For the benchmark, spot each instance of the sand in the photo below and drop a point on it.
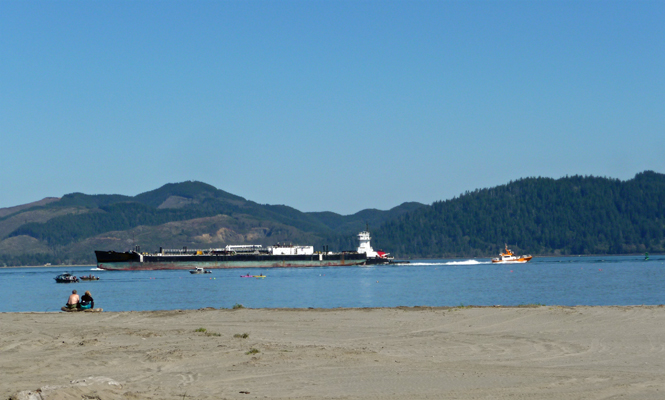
(401, 353)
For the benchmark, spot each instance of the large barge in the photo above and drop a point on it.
(240, 256)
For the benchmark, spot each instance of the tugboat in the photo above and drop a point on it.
(374, 257)
(66, 278)
(508, 257)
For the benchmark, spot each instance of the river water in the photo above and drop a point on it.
(609, 280)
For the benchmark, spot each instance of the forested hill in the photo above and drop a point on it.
(541, 216)
(67, 230)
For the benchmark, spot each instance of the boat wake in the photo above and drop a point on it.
(96, 269)
(468, 262)
(465, 262)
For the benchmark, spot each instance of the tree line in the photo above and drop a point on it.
(544, 216)
(541, 216)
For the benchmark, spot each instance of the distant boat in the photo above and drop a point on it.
(66, 278)
(646, 256)
(508, 257)
(89, 278)
(199, 270)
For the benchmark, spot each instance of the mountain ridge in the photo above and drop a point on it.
(572, 215)
(75, 225)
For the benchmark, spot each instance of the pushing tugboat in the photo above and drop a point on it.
(374, 257)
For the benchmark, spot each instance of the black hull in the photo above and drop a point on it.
(111, 260)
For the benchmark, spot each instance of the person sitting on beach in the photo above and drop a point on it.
(73, 301)
(87, 301)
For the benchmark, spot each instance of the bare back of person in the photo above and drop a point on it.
(74, 299)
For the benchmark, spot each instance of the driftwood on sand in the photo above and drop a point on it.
(67, 309)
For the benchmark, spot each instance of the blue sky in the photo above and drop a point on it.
(326, 105)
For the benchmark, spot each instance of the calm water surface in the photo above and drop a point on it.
(547, 280)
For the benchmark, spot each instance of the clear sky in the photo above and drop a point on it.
(326, 105)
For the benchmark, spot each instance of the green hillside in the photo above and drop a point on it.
(192, 214)
(541, 216)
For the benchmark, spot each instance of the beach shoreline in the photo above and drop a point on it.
(545, 352)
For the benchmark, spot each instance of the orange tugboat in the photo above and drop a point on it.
(509, 257)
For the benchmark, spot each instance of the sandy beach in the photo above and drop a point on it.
(544, 352)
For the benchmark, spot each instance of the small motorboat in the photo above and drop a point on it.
(66, 278)
(509, 258)
(199, 270)
(89, 278)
